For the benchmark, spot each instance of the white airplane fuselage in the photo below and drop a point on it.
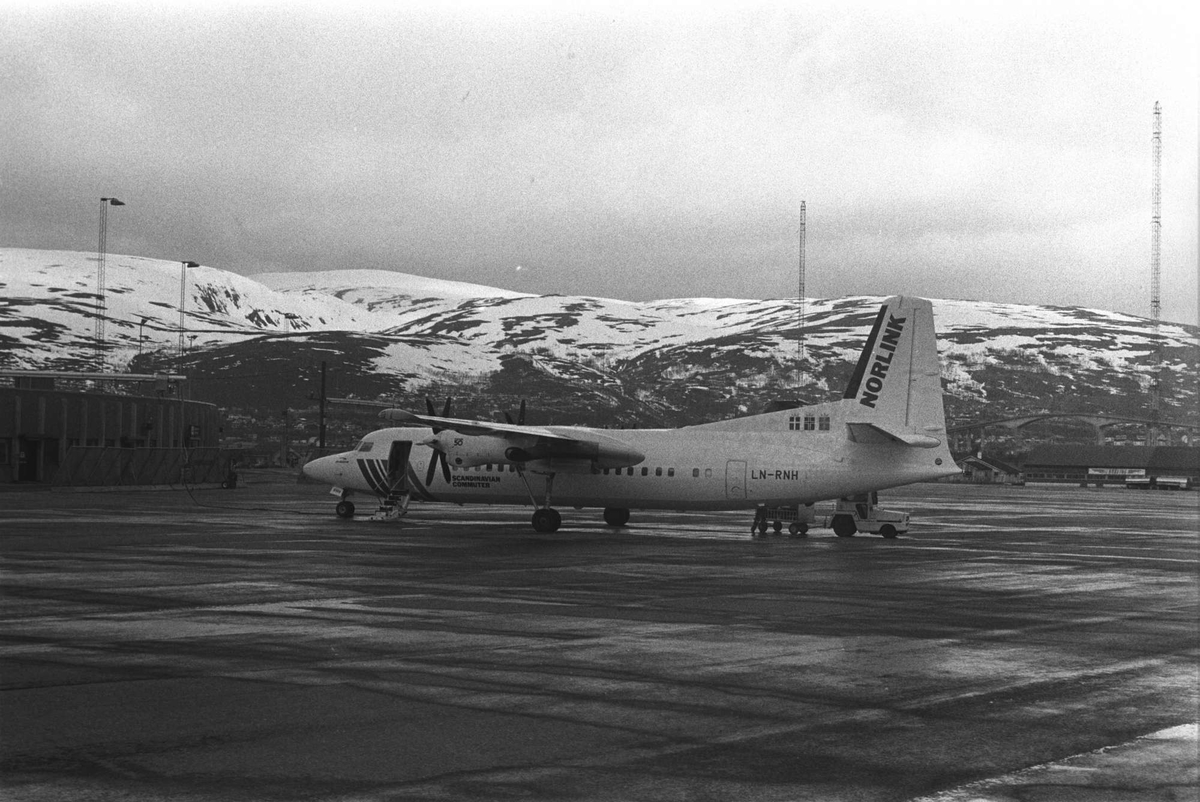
(696, 467)
(888, 430)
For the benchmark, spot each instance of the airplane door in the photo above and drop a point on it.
(735, 479)
(398, 461)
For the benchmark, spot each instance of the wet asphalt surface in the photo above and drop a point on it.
(245, 645)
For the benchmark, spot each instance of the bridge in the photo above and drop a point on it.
(962, 435)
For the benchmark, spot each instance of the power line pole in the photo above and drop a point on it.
(321, 412)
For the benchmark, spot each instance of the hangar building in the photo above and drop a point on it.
(40, 423)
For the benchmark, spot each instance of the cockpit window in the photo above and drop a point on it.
(365, 445)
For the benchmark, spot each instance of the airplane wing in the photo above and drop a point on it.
(533, 442)
(474, 428)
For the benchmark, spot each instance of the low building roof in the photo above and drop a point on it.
(991, 464)
(1151, 458)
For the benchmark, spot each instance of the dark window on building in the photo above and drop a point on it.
(810, 423)
(823, 423)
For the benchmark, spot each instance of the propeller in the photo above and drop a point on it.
(520, 415)
(445, 410)
(439, 456)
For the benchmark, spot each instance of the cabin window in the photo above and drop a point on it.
(645, 471)
(823, 423)
(695, 473)
(708, 473)
(631, 470)
(670, 471)
(809, 423)
(489, 467)
(658, 471)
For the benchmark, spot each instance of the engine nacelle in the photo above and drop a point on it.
(469, 451)
(463, 451)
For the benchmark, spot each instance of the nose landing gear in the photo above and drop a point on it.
(546, 519)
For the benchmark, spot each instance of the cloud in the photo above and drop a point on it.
(1000, 152)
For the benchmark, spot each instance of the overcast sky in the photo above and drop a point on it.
(647, 151)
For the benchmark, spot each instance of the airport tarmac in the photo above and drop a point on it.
(1033, 643)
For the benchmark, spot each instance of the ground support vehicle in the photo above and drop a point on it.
(798, 520)
(861, 513)
(1158, 483)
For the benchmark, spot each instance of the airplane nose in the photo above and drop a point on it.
(324, 469)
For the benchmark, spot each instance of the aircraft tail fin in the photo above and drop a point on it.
(895, 392)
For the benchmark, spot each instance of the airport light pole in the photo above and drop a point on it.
(182, 297)
(101, 258)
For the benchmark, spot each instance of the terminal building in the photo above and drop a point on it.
(42, 422)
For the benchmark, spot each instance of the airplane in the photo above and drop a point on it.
(887, 430)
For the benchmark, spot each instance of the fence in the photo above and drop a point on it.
(127, 467)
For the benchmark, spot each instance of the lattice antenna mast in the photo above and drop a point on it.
(1155, 276)
(802, 355)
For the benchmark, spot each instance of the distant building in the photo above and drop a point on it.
(38, 424)
(1101, 465)
(989, 471)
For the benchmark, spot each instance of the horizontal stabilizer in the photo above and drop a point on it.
(873, 433)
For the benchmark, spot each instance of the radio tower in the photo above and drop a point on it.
(802, 370)
(1155, 273)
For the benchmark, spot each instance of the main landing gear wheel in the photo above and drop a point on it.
(843, 526)
(797, 530)
(345, 509)
(546, 520)
(616, 516)
(888, 531)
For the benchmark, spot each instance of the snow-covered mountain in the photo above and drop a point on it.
(389, 333)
